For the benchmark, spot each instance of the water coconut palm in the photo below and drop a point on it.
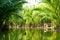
(7, 9)
(50, 10)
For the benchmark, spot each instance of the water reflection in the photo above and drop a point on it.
(30, 34)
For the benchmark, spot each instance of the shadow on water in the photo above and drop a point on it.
(3, 35)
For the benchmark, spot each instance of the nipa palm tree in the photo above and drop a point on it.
(7, 9)
(51, 8)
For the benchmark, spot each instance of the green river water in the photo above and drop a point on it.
(29, 34)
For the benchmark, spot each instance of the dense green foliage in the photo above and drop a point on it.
(9, 11)
(46, 12)
(54, 7)
(14, 15)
